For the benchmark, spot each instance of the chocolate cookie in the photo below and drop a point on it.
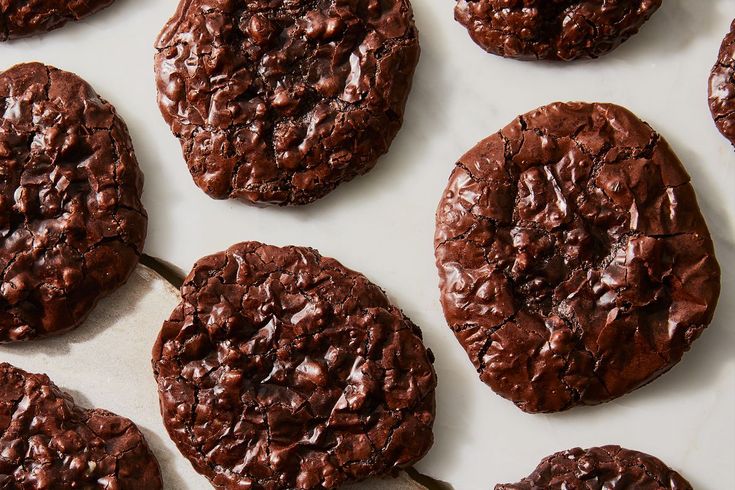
(722, 87)
(71, 222)
(574, 263)
(19, 18)
(600, 468)
(278, 101)
(552, 29)
(49, 442)
(284, 369)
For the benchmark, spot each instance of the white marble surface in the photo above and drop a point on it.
(382, 224)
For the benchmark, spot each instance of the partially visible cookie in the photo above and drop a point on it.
(20, 18)
(722, 87)
(575, 265)
(71, 221)
(49, 442)
(278, 101)
(552, 29)
(281, 368)
(601, 468)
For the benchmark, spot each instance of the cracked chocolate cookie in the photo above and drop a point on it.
(71, 222)
(20, 18)
(562, 30)
(599, 468)
(574, 263)
(722, 87)
(280, 101)
(284, 369)
(49, 442)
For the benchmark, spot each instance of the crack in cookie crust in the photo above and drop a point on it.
(71, 221)
(601, 467)
(575, 265)
(279, 102)
(552, 29)
(283, 369)
(49, 442)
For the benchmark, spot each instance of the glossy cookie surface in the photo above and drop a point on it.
(722, 87)
(50, 442)
(72, 222)
(601, 468)
(574, 263)
(21, 18)
(280, 101)
(552, 29)
(281, 368)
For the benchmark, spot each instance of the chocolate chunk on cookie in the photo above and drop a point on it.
(280, 101)
(50, 442)
(722, 87)
(20, 18)
(552, 29)
(281, 368)
(71, 222)
(599, 468)
(574, 263)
